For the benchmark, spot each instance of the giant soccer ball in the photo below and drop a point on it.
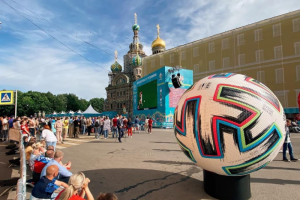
(229, 124)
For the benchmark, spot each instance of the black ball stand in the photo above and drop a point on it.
(227, 187)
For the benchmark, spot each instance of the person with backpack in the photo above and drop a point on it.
(97, 128)
(58, 126)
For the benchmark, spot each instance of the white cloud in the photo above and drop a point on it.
(206, 18)
(181, 22)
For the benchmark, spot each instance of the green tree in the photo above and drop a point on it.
(32, 102)
(83, 104)
(97, 104)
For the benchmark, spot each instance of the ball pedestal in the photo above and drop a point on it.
(227, 187)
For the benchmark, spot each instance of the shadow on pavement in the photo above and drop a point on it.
(275, 181)
(283, 168)
(167, 150)
(146, 184)
(169, 162)
(165, 142)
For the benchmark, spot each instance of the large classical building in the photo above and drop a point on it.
(119, 89)
(268, 50)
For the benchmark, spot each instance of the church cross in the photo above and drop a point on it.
(135, 18)
(157, 26)
(116, 55)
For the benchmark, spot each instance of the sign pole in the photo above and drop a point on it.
(16, 103)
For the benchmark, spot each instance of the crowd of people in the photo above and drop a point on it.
(50, 176)
(55, 130)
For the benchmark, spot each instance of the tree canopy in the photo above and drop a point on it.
(32, 102)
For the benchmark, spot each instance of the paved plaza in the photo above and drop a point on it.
(153, 167)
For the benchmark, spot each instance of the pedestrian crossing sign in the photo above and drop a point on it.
(6, 97)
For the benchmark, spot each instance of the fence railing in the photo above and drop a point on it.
(21, 185)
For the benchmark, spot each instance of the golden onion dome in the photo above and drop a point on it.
(158, 42)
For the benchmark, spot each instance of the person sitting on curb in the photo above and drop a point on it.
(64, 174)
(45, 187)
(39, 163)
(68, 165)
(288, 144)
(78, 188)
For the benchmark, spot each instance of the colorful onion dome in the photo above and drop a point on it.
(135, 27)
(137, 61)
(158, 42)
(116, 67)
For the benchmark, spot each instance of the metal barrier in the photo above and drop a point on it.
(21, 185)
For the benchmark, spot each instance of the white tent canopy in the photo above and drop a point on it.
(90, 110)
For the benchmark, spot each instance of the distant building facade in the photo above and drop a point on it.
(268, 51)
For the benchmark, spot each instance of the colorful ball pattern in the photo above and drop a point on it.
(229, 124)
(116, 67)
(137, 61)
(135, 27)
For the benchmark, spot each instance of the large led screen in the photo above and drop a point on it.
(147, 96)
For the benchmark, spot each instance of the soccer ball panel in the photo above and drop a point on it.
(230, 124)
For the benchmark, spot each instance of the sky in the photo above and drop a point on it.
(67, 46)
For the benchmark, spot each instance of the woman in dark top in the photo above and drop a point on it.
(129, 127)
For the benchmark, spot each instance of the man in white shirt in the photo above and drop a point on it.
(146, 124)
(5, 129)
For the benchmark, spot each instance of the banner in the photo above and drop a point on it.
(7, 98)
